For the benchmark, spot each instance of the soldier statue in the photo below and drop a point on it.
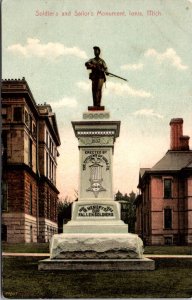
(99, 70)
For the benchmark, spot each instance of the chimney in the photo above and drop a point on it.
(178, 140)
(176, 133)
(184, 140)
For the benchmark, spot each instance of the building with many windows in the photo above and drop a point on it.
(29, 159)
(164, 204)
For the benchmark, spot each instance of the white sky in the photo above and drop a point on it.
(152, 52)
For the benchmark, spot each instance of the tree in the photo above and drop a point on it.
(64, 212)
(131, 212)
(118, 196)
(128, 209)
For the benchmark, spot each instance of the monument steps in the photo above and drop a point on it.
(142, 264)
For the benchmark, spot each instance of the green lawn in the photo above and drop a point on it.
(44, 248)
(176, 250)
(26, 247)
(171, 279)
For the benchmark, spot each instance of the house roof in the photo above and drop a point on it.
(18, 87)
(174, 161)
(143, 170)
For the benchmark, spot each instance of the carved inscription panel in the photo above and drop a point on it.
(96, 210)
(96, 172)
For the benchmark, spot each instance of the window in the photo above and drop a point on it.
(4, 232)
(49, 169)
(54, 152)
(47, 164)
(31, 200)
(26, 118)
(4, 146)
(54, 174)
(54, 208)
(48, 204)
(168, 240)
(30, 122)
(4, 112)
(30, 153)
(34, 130)
(52, 166)
(31, 234)
(4, 195)
(50, 143)
(167, 218)
(167, 188)
(146, 223)
(17, 114)
(47, 138)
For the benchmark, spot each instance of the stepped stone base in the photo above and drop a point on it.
(93, 251)
(97, 226)
(97, 264)
(93, 245)
(95, 216)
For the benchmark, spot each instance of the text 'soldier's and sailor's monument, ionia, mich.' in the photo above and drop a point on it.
(96, 237)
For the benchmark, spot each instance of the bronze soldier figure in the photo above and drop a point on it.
(99, 69)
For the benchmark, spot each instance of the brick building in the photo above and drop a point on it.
(29, 159)
(164, 204)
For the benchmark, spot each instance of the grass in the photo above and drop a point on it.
(44, 248)
(175, 250)
(26, 247)
(171, 279)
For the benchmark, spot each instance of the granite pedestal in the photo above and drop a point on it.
(96, 238)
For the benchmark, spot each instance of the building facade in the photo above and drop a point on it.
(29, 159)
(164, 203)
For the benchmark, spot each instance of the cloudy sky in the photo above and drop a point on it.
(48, 42)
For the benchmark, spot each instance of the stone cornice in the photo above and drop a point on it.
(96, 128)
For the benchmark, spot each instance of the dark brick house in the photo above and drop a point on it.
(29, 142)
(164, 205)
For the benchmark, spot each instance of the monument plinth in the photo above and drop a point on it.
(96, 211)
(96, 108)
(96, 237)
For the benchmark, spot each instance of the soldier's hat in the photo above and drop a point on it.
(96, 47)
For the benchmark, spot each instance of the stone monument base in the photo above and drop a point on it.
(95, 216)
(97, 226)
(93, 251)
(94, 245)
(142, 264)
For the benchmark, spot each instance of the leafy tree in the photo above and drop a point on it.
(64, 212)
(128, 209)
(118, 196)
(131, 212)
